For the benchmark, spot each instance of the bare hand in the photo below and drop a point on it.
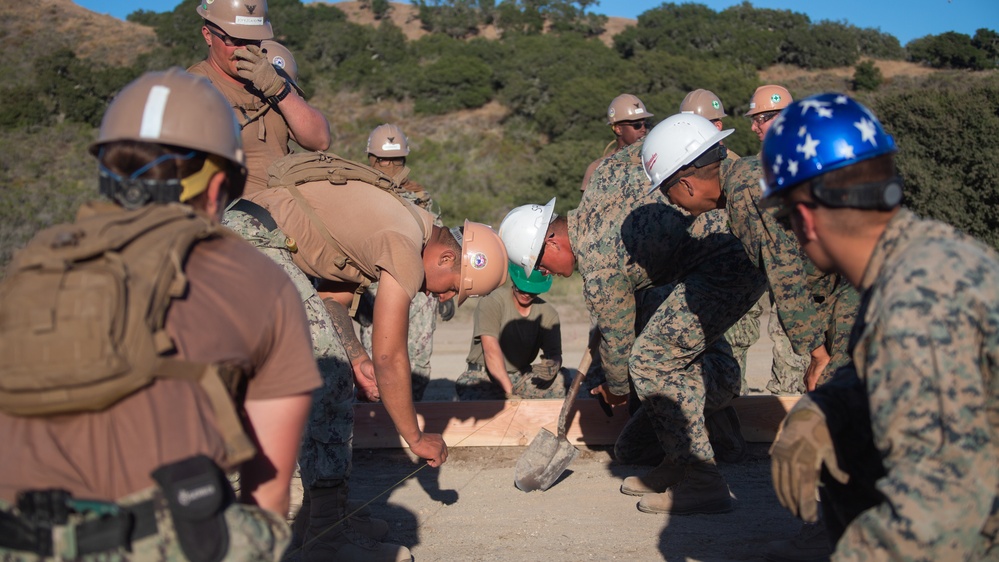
(364, 379)
(820, 359)
(609, 397)
(430, 446)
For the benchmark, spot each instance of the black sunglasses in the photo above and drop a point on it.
(635, 125)
(229, 40)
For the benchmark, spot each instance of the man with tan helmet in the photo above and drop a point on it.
(629, 120)
(334, 240)
(271, 110)
(387, 150)
(149, 465)
(706, 104)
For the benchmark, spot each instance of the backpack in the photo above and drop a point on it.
(295, 169)
(82, 313)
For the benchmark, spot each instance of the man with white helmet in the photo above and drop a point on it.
(662, 288)
(904, 439)
(746, 331)
(270, 108)
(333, 240)
(629, 120)
(387, 150)
(145, 471)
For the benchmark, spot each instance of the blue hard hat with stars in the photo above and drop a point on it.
(816, 135)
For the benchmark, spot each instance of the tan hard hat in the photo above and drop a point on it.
(626, 107)
(242, 19)
(176, 108)
(388, 141)
(769, 98)
(704, 103)
(283, 61)
(483, 261)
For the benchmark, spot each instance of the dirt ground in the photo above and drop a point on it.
(469, 509)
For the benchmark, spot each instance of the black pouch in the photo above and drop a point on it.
(198, 494)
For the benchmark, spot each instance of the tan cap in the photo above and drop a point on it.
(388, 141)
(242, 19)
(626, 107)
(769, 98)
(483, 261)
(175, 108)
(704, 103)
(283, 61)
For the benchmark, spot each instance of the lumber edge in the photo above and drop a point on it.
(512, 423)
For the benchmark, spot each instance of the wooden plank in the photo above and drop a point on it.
(512, 423)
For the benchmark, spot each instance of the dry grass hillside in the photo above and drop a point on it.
(405, 17)
(31, 29)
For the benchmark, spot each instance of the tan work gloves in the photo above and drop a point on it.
(802, 446)
(544, 372)
(252, 65)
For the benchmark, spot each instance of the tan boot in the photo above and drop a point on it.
(658, 480)
(811, 544)
(701, 490)
(330, 535)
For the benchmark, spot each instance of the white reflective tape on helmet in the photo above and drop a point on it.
(152, 113)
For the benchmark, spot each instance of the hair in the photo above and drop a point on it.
(126, 156)
(444, 237)
(849, 220)
(559, 225)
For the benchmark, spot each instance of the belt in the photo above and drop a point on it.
(106, 533)
(255, 211)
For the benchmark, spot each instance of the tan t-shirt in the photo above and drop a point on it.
(264, 140)
(224, 317)
(520, 337)
(373, 228)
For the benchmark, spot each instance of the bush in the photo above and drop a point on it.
(867, 76)
(453, 83)
(949, 50)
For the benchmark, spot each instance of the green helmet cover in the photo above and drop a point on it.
(537, 283)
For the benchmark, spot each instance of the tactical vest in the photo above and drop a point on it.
(82, 314)
(297, 168)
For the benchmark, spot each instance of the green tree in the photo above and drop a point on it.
(453, 83)
(948, 50)
(867, 76)
(946, 154)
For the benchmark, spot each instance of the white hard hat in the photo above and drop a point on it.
(675, 143)
(523, 232)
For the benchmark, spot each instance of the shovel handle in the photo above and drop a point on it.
(570, 397)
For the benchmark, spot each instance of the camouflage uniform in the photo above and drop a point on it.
(690, 278)
(423, 309)
(926, 350)
(325, 455)
(255, 534)
(774, 250)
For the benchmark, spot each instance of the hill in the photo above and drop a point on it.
(32, 29)
(406, 17)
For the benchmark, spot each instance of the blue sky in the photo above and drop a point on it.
(905, 19)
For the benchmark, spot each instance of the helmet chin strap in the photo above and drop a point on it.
(882, 195)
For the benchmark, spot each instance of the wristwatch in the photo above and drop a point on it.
(276, 98)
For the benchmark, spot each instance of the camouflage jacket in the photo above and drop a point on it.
(626, 240)
(774, 249)
(926, 348)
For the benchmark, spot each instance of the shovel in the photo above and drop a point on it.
(547, 456)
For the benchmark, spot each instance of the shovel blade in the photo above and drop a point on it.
(543, 462)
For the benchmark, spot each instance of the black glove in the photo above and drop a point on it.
(446, 309)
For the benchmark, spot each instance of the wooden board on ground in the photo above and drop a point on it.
(514, 423)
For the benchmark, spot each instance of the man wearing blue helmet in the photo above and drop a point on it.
(511, 327)
(907, 432)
